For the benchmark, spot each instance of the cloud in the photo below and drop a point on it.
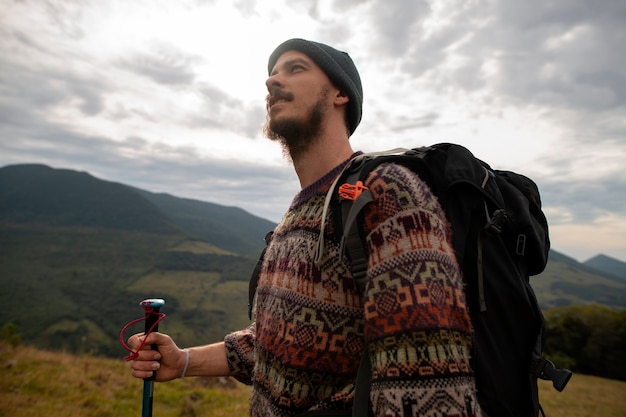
(35, 80)
(416, 121)
(398, 24)
(66, 17)
(584, 201)
(164, 64)
(169, 96)
(533, 53)
(42, 90)
(220, 110)
(554, 53)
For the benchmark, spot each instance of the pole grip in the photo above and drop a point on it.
(151, 307)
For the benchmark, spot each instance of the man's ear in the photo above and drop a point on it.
(341, 98)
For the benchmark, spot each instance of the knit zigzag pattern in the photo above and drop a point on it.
(312, 326)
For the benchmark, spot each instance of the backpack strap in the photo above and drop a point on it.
(351, 239)
(361, 400)
(355, 164)
(544, 369)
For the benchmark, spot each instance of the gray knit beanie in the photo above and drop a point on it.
(337, 65)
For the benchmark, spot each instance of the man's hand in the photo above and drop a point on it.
(168, 360)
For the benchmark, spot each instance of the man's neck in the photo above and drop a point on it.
(325, 155)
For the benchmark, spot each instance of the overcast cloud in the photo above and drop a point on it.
(169, 96)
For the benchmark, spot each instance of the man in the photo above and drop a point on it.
(312, 325)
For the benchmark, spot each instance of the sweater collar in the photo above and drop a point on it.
(322, 184)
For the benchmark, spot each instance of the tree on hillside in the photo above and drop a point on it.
(11, 334)
(588, 339)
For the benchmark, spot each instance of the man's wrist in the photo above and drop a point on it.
(184, 372)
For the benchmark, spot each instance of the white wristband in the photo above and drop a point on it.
(182, 374)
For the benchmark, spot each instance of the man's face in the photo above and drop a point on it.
(299, 96)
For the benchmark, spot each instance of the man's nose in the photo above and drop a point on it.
(273, 81)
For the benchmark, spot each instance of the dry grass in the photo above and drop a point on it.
(36, 383)
(584, 396)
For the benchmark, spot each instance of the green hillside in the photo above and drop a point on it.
(230, 228)
(37, 194)
(566, 281)
(78, 254)
(75, 288)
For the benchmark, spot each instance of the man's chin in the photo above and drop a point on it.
(284, 128)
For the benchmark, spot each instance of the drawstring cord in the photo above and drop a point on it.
(149, 310)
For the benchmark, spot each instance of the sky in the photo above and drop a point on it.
(169, 96)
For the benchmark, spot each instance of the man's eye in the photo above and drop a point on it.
(297, 68)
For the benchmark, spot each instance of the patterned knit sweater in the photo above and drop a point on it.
(312, 325)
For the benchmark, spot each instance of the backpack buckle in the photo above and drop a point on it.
(494, 225)
(545, 369)
(351, 191)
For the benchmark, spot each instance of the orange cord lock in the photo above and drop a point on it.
(351, 191)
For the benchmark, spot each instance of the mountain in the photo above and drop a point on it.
(566, 281)
(230, 228)
(78, 254)
(608, 265)
(37, 194)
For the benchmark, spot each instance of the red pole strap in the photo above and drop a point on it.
(149, 310)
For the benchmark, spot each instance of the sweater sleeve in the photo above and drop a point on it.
(417, 326)
(240, 353)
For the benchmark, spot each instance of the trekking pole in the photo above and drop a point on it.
(151, 307)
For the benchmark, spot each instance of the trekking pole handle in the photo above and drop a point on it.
(151, 307)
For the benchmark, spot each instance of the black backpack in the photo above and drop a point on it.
(500, 237)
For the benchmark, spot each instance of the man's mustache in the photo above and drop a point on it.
(277, 94)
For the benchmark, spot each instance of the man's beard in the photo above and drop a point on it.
(297, 136)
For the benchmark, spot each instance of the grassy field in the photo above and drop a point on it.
(35, 383)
